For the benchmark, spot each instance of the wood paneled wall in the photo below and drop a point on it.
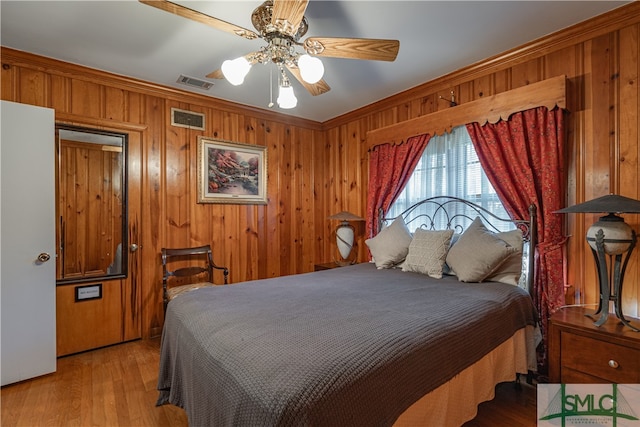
(315, 170)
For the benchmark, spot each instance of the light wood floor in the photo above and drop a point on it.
(116, 386)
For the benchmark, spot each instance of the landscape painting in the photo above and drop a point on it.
(231, 172)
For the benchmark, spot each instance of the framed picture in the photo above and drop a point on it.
(231, 172)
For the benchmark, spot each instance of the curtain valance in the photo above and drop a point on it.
(548, 93)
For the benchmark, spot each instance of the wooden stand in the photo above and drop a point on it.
(581, 352)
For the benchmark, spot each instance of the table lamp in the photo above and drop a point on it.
(612, 240)
(345, 236)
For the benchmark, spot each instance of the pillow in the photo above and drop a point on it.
(391, 245)
(511, 270)
(477, 253)
(427, 252)
(445, 268)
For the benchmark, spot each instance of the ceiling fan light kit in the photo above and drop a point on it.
(281, 23)
(286, 98)
(311, 68)
(236, 70)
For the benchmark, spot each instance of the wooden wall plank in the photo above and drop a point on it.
(33, 84)
(134, 291)
(629, 151)
(86, 98)
(153, 214)
(8, 82)
(59, 98)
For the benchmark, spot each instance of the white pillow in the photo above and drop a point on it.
(427, 252)
(445, 268)
(391, 245)
(477, 253)
(511, 270)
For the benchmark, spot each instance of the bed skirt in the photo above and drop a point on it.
(456, 401)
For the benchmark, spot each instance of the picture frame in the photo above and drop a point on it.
(231, 172)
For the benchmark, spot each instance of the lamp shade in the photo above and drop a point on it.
(286, 97)
(611, 203)
(617, 235)
(346, 216)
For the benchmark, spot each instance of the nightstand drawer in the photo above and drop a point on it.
(611, 362)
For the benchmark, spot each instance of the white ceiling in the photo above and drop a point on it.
(436, 37)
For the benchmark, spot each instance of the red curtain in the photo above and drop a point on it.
(524, 160)
(390, 167)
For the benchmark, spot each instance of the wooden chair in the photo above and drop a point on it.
(187, 278)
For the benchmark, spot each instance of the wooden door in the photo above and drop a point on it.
(115, 316)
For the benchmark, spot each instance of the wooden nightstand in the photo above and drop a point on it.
(580, 352)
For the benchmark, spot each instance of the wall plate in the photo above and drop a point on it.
(88, 292)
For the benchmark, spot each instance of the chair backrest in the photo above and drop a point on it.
(190, 263)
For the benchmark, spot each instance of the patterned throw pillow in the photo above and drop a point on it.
(427, 252)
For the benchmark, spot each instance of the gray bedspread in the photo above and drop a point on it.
(353, 346)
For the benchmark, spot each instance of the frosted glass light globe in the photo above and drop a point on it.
(311, 69)
(236, 70)
(286, 98)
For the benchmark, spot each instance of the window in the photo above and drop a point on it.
(450, 167)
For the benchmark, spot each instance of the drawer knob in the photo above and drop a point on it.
(613, 364)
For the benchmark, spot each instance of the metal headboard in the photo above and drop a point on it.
(447, 212)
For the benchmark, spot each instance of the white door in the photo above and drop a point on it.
(27, 230)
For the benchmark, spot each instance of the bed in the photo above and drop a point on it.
(361, 345)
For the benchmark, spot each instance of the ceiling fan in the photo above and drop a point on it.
(281, 23)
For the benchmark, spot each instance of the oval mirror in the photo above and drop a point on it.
(91, 204)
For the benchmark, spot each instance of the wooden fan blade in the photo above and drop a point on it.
(314, 89)
(217, 74)
(194, 15)
(252, 57)
(287, 14)
(375, 49)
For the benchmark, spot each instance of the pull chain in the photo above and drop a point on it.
(270, 87)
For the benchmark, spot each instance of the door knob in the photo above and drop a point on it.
(44, 257)
(133, 247)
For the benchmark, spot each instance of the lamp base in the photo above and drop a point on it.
(604, 316)
(611, 279)
(345, 240)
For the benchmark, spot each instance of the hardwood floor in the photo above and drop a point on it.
(116, 386)
(511, 407)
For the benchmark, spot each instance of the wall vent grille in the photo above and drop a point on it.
(191, 81)
(187, 119)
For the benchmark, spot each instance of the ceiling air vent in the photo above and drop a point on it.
(190, 81)
(187, 119)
